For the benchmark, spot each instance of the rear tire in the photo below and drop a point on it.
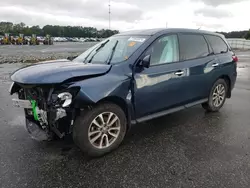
(100, 130)
(217, 96)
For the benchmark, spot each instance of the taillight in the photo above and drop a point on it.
(235, 58)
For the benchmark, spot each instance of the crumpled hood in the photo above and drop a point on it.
(57, 72)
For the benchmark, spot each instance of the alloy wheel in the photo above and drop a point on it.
(104, 130)
(219, 95)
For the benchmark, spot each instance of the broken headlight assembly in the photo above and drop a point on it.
(66, 97)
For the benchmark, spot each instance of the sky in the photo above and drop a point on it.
(213, 15)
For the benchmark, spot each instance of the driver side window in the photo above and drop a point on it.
(164, 50)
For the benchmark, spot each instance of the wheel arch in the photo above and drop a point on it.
(121, 103)
(228, 81)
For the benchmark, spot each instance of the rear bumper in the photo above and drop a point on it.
(233, 80)
(232, 84)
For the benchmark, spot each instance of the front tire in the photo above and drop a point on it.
(100, 130)
(217, 96)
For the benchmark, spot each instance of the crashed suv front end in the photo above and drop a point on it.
(50, 96)
(47, 109)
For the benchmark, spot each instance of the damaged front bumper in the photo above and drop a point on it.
(36, 132)
(37, 122)
(47, 113)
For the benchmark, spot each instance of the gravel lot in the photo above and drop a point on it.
(186, 149)
(26, 53)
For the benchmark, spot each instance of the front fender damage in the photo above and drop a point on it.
(14, 88)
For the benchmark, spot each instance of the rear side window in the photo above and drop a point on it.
(218, 45)
(192, 46)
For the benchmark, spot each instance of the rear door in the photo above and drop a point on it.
(197, 57)
(226, 66)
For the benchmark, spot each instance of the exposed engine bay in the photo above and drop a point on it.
(47, 110)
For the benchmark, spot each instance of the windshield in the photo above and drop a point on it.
(112, 50)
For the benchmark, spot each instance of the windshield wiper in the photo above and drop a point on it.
(112, 53)
(96, 51)
(211, 53)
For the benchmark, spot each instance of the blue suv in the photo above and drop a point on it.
(126, 79)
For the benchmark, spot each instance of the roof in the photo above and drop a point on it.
(164, 30)
(142, 32)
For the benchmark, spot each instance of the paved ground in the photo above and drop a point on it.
(186, 149)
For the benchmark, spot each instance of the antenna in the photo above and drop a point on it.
(109, 14)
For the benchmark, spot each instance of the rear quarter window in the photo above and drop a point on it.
(192, 46)
(217, 43)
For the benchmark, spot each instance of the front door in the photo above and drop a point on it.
(159, 87)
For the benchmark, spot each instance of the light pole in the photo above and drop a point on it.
(109, 14)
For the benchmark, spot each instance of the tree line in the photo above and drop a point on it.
(54, 30)
(237, 34)
(79, 31)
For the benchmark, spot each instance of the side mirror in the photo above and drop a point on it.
(71, 57)
(145, 62)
